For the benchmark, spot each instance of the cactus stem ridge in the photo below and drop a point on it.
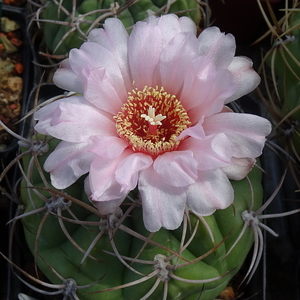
(202, 256)
(121, 258)
(204, 222)
(93, 243)
(67, 288)
(145, 262)
(182, 245)
(141, 237)
(151, 291)
(69, 237)
(132, 283)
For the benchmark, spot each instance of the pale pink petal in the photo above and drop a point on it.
(67, 163)
(187, 25)
(100, 91)
(65, 78)
(109, 147)
(245, 77)
(210, 153)
(171, 25)
(239, 168)
(143, 58)
(104, 207)
(177, 168)
(174, 61)
(73, 119)
(44, 116)
(195, 131)
(94, 56)
(207, 97)
(226, 109)
(212, 191)
(109, 207)
(152, 20)
(128, 170)
(168, 27)
(114, 37)
(246, 132)
(205, 88)
(103, 184)
(217, 46)
(199, 76)
(163, 205)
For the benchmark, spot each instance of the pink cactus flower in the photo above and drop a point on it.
(151, 113)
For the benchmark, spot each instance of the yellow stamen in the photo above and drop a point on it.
(146, 132)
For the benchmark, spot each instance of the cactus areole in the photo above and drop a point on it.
(146, 136)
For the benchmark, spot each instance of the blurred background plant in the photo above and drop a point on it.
(280, 70)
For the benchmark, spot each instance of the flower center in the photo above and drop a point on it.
(150, 121)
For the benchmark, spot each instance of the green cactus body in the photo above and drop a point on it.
(60, 38)
(196, 252)
(285, 66)
(65, 37)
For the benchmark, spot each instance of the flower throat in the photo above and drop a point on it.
(151, 120)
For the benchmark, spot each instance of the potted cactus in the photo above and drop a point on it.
(125, 180)
(141, 182)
